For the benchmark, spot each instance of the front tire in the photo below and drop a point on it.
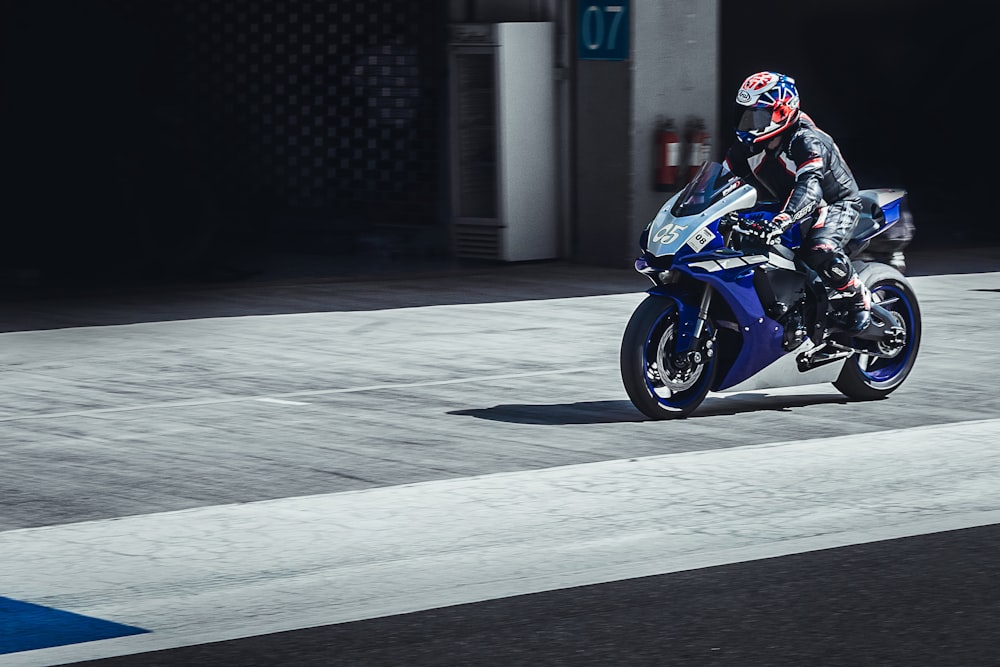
(658, 384)
(869, 377)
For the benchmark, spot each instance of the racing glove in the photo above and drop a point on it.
(768, 231)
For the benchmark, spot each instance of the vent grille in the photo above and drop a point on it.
(477, 241)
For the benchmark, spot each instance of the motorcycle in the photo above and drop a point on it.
(729, 313)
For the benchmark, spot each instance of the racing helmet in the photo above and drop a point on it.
(766, 104)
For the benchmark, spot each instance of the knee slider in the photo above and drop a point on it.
(836, 270)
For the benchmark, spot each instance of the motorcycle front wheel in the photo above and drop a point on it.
(658, 382)
(868, 376)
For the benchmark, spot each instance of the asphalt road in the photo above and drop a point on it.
(929, 600)
(125, 405)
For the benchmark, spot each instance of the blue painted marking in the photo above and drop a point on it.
(25, 627)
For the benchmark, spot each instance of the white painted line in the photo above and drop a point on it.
(279, 401)
(297, 394)
(231, 571)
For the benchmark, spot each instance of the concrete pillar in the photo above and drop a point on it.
(671, 71)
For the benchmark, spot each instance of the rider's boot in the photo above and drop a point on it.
(852, 304)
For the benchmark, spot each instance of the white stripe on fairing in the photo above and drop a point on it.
(231, 571)
(732, 262)
(713, 265)
(774, 259)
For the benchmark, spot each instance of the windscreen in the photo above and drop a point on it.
(708, 185)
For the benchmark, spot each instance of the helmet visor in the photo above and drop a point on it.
(752, 120)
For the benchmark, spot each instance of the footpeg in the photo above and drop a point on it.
(822, 355)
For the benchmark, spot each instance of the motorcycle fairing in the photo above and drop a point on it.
(730, 274)
(880, 209)
(695, 230)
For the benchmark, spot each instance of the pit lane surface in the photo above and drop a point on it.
(928, 600)
(192, 417)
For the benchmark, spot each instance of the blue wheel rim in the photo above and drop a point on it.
(680, 399)
(886, 370)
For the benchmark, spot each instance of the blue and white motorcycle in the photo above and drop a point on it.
(727, 313)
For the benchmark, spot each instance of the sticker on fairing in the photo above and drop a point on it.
(700, 239)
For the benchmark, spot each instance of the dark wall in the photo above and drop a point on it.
(899, 84)
(602, 159)
(171, 136)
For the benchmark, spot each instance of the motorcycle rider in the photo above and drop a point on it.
(782, 151)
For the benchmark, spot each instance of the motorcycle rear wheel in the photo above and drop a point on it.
(868, 377)
(656, 383)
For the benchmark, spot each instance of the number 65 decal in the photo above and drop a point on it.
(668, 233)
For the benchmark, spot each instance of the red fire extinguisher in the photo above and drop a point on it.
(699, 146)
(668, 146)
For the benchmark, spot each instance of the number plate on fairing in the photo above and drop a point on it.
(700, 239)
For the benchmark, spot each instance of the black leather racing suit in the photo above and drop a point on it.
(807, 171)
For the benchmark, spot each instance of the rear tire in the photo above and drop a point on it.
(867, 377)
(657, 384)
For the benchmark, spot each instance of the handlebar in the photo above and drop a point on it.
(728, 221)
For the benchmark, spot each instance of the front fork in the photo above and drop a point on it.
(686, 342)
(690, 330)
(706, 301)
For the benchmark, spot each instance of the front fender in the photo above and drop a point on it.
(687, 314)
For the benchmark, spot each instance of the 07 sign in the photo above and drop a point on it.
(603, 30)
